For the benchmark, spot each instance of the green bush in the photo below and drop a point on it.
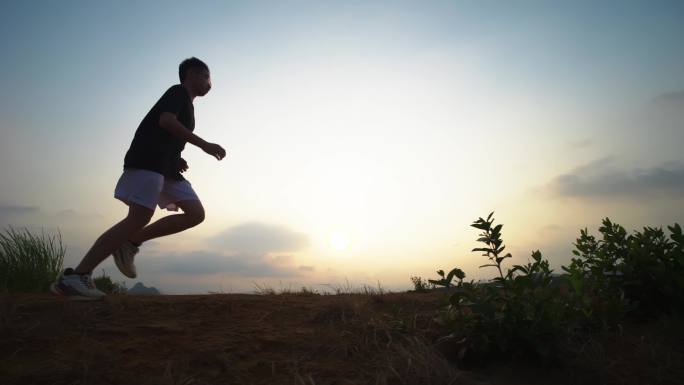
(645, 268)
(446, 281)
(29, 263)
(518, 312)
(529, 310)
(105, 284)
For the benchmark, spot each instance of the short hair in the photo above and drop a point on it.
(192, 63)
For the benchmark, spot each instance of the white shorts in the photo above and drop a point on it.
(149, 188)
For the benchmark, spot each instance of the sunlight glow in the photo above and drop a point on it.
(338, 241)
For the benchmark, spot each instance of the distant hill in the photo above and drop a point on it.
(139, 288)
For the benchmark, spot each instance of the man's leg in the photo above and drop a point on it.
(193, 215)
(138, 217)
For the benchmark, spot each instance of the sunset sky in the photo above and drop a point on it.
(363, 137)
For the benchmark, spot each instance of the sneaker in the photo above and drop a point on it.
(76, 287)
(123, 257)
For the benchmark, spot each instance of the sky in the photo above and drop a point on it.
(363, 137)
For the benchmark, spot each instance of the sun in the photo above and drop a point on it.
(338, 241)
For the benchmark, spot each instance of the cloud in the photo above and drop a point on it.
(22, 215)
(307, 268)
(598, 179)
(17, 215)
(580, 143)
(255, 238)
(7, 210)
(245, 250)
(670, 98)
(76, 216)
(284, 259)
(208, 262)
(549, 229)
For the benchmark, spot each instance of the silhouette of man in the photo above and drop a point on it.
(151, 177)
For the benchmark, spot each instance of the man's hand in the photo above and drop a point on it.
(215, 150)
(183, 165)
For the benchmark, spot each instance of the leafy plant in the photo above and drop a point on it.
(492, 238)
(518, 312)
(446, 281)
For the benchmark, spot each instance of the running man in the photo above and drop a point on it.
(151, 177)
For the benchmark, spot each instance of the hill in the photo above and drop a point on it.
(139, 288)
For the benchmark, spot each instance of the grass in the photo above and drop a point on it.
(29, 263)
(105, 284)
(335, 290)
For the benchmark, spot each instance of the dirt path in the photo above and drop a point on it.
(217, 339)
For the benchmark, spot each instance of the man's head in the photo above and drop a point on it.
(195, 74)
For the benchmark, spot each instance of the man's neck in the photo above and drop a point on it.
(187, 88)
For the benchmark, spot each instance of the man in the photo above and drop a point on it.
(151, 177)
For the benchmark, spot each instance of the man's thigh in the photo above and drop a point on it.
(139, 213)
(174, 192)
(138, 186)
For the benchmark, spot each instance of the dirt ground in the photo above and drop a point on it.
(299, 339)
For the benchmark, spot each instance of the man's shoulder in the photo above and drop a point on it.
(174, 88)
(179, 92)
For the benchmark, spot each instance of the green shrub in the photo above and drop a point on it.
(29, 263)
(105, 284)
(529, 310)
(518, 312)
(446, 281)
(645, 268)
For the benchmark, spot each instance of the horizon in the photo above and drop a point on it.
(362, 138)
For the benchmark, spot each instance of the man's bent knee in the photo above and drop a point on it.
(199, 217)
(194, 210)
(196, 217)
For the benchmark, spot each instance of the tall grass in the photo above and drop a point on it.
(28, 262)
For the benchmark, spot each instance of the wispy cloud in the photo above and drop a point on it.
(16, 215)
(549, 230)
(208, 262)
(251, 249)
(671, 98)
(52, 218)
(259, 238)
(600, 179)
(580, 143)
(74, 215)
(7, 210)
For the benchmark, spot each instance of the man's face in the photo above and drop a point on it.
(201, 81)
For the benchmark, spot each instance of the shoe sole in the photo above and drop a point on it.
(56, 290)
(119, 265)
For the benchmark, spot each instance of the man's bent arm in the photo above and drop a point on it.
(169, 122)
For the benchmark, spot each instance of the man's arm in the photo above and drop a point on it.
(169, 122)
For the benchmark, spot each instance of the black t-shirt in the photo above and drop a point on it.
(153, 147)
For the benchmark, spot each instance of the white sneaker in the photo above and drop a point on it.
(123, 257)
(76, 287)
